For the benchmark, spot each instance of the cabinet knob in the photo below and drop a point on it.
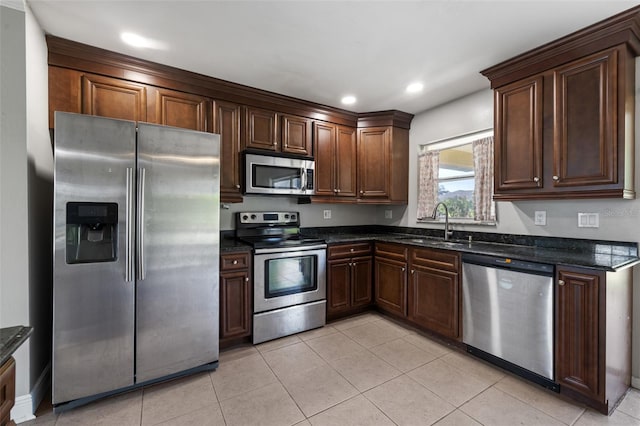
(337, 190)
(361, 192)
(238, 186)
(352, 250)
(560, 282)
(536, 179)
(404, 269)
(556, 178)
(275, 144)
(235, 262)
(413, 271)
(246, 279)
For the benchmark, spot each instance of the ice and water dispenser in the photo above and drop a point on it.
(92, 230)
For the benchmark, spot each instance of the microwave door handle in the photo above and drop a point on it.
(304, 178)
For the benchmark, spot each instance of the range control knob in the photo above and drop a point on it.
(293, 217)
(286, 216)
(245, 217)
(253, 216)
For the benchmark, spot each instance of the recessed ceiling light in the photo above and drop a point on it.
(415, 87)
(136, 40)
(349, 100)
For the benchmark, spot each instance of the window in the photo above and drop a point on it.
(459, 173)
(456, 180)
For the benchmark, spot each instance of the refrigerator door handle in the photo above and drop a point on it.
(140, 224)
(129, 227)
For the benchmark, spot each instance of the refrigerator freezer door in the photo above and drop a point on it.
(178, 248)
(93, 314)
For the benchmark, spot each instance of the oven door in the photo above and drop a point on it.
(289, 277)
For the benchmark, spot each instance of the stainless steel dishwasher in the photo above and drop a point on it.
(507, 315)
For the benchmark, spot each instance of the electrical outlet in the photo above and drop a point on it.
(588, 220)
(540, 217)
(388, 214)
(327, 214)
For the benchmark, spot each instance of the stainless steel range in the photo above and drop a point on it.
(289, 274)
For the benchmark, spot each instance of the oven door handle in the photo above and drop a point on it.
(290, 249)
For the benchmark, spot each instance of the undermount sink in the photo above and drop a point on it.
(429, 240)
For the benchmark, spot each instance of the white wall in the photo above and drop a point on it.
(310, 214)
(14, 275)
(40, 200)
(619, 219)
(26, 189)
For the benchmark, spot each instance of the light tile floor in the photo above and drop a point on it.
(365, 370)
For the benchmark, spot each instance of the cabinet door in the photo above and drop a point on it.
(577, 332)
(585, 140)
(433, 300)
(361, 284)
(235, 304)
(261, 129)
(345, 162)
(391, 285)
(113, 98)
(183, 110)
(373, 162)
(324, 135)
(338, 285)
(227, 125)
(296, 135)
(518, 131)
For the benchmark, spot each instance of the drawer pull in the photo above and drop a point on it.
(235, 262)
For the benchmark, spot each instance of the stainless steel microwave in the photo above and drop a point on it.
(269, 174)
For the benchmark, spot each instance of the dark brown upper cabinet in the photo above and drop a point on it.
(336, 166)
(113, 98)
(267, 130)
(178, 109)
(564, 115)
(227, 125)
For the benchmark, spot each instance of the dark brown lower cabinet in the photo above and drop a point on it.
(349, 279)
(433, 300)
(593, 335)
(391, 278)
(434, 290)
(236, 291)
(7, 391)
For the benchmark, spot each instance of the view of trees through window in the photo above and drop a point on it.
(456, 181)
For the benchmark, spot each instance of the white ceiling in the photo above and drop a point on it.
(322, 50)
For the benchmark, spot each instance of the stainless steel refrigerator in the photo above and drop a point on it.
(136, 245)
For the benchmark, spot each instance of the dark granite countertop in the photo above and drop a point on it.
(230, 245)
(10, 340)
(601, 255)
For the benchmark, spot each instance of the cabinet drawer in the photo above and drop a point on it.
(349, 250)
(233, 261)
(392, 251)
(437, 259)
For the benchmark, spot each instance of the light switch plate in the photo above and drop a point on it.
(388, 214)
(540, 217)
(588, 220)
